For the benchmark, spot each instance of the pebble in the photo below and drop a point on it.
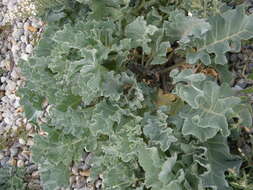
(1, 155)
(29, 48)
(75, 170)
(35, 174)
(12, 162)
(22, 141)
(11, 86)
(17, 33)
(31, 168)
(30, 142)
(13, 151)
(20, 163)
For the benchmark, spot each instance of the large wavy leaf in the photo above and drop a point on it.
(227, 31)
(217, 159)
(209, 104)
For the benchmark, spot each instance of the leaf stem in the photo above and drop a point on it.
(174, 66)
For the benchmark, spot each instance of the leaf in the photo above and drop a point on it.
(54, 154)
(155, 128)
(125, 142)
(184, 28)
(111, 8)
(208, 105)
(165, 98)
(227, 31)
(32, 103)
(217, 160)
(150, 161)
(138, 31)
(160, 173)
(74, 122)
(103, 118)
(160, 45)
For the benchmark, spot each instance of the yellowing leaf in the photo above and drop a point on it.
(165, 98)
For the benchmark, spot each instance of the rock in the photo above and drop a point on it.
(33, 186)
(35, 175)
(237, 88)
(75, 170)
(24, 56)
(28, 126)
(98, 184)
(1, 155)
(72, 179)
(243, 84)
(30, 142)
(80, 182)
(31, 168)
(85, 173)
(12, 162)
(13, 151)
(23, 39)
(10, 85)
(14, 74)
(20, 163)
(17, 33)
(22, 141)
(29, 48)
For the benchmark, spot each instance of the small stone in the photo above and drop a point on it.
(74, 170)
(29, 48)
(1, 155)
(31, 168)
(8, 121)
(23, 39)
(24, 56)
(26, 25)
(242, 84)
(72, 179)
(33, 186)
(35, 174)
(3, 79)
(4, 161)
(85, 173)
(20, 163)
(12, 162)
(28, 127)
(30, 142)
(237, 88)
(20, 25)
(10, 85)
(22, 141)
(80, 181)
(13, 151)
(14, 74)
(19, 110)
(17, 33)
(98, 184)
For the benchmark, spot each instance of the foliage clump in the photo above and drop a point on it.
(140, 84)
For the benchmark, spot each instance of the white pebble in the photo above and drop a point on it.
(10, 86)
(24, 56)
(3, 79)
(22, 141)
(20, 163)
(30, 142)
(29, 48)
(28, 126)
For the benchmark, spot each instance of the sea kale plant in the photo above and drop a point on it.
(144, 86)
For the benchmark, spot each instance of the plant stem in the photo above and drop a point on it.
(174, 66)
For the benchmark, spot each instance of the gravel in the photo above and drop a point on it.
(17, 43)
